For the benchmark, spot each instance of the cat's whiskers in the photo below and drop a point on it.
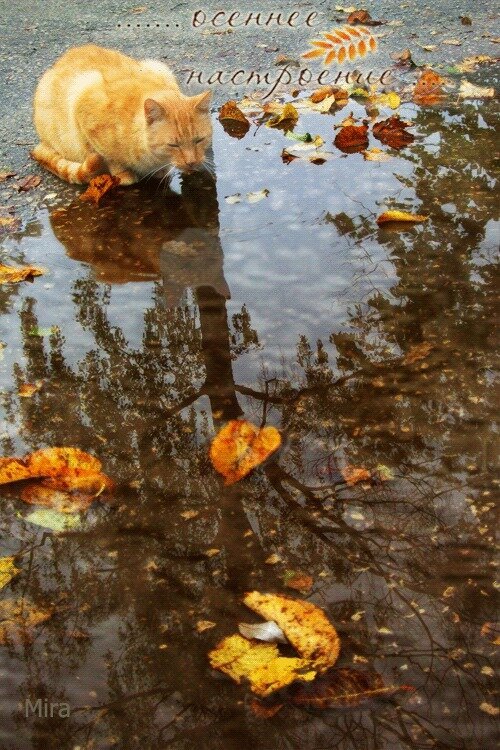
(154, 171)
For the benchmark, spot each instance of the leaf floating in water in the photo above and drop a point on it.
(323, 105)
(287, 119)
(417, 352)
(352, 138)
(258, 196)
(52, 519)
(469, 91)
(298, 581)
(353, 475)
(232, 199)
(50, 462)
(50, 331)
(233, 120)
(27, 390)
(342, 687)
(13, 470)
(263, 631)
(376, 154)
(98, 187)
(203, 625)
(403, 216)
(7, 570)
(393, 132)
(429, 88)
(18, 619)
(259, 663)
(304, 624)
(12, 275)
(241, 446)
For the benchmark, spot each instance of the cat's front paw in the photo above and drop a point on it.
(126, 177)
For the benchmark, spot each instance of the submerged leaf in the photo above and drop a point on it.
(52, 519)
(7, 570)
(18, 619)
(342, 687)
(352, 138)
(241, 446)
(287, 118)
(393, 132)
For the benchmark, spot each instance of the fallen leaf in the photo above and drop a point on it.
(287, 60)
(7, 571)
(362, 17)
(26, 390)
(9, 223)
(249, 106)
(6, 175)
(465, 20)
(233, 120)
(390, 99)
(352, 475)
(403, 58)
(262, 631)
(376, 154)
(298, 581)
(51, 462)
(469, 91)
(98, 187)
(324, 106)
(417, 352)
(262, 710)
(489, 709)
(12, 275)
(304, 624)
(139, 9)
(18, 620)
(257, 196)
(469, 64)
(49, 331)
(28, 183)
(68, 492)
(352, 139)
(453, 42)
(258, 663)
(240, 446)
(232, 199)
(273, 560)
(286, 119)
(342, 687)
(189, 514)
(357, 616)
(326, 92)
(52, 519)
(13, 470)
(203, 625)
(393, 132)
(428, 89)
(388, 216)
(384, 473)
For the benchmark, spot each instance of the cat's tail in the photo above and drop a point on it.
(71, 171)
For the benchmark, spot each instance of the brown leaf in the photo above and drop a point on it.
(241, 446)
(98, 187)
(428, 89)
(233, 120)
(403, 58)
(9, 223)
(286, 119)
(298, 581)
(393, 133)
(18, 619)
(28, 183)
(11, 275)
(67, 493)
(26, 390)
(362, 17)
(417, 352)
(352, 138)
(342, 687)
(352, 475)
(5, 175)
(264, 710)
(322, 93)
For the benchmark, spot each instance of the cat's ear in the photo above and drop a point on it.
(153, 111)
(202, 101)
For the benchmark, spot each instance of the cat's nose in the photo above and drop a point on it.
(190, 166)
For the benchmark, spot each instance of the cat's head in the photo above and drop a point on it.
(179, 129)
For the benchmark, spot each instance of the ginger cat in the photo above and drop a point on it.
(97, 111)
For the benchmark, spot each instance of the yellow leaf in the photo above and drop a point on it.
(7, 570)
(289, 117)
(391, 100)
(259, 663)
(240, 446)
(13, 470)
(400, 216)
(305, 625)
(50, 462)
(11, 275)
(18, 618)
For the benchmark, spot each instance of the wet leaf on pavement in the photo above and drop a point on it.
(98, 187)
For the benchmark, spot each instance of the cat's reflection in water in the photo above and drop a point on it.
(140, 234)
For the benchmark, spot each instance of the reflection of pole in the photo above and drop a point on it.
(219, 383)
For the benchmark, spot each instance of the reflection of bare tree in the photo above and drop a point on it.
(402, 567)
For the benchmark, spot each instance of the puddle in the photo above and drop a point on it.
(163, 315)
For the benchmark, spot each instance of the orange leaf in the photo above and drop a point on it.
(67, 493)
(362, 49)
(353, 475)
(241, 446)
(314, 53)
(400, 216)
(352, 52)
(98, 187)
(330, 57)
(428, 88)
(51, 462)
(393, 133)
(323, 45)
(13, 470)
(341, 55)
(333, 38)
